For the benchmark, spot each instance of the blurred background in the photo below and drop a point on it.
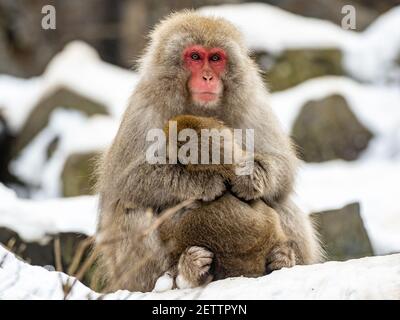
(63, 90)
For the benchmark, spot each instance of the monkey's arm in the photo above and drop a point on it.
(159, 186)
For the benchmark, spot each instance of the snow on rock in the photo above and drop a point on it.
(366, 278)
(368, 55)
(375, 106)
(77, 67)
(33, 220)
(77, 134)
(265, 27)
(272, 29)
(373, 184)
(17, 98)
(378, 48)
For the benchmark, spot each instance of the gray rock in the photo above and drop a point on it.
(25, 48)
(294, 66)
(43, 253)
(6, 142)
(327, 129)
(40, 114)
(343, 233)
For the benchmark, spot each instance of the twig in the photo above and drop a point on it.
(57, 254)
(79, 254)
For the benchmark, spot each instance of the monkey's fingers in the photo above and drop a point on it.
(193, 267)
(282, 256)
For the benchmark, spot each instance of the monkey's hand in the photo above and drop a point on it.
(193, 268)
(248, 186)
(281, 256)
(265, 176)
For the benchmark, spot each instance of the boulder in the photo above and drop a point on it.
(64, 247)
(52, 147)
(6, 142)
(25, 48)
(40, 114)
(327, 129)
(343, 233)
(78, 175)
(294, 66)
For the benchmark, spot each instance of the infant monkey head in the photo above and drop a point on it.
(212, 142)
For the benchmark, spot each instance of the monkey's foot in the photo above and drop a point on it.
(282, 256)
(193, 268)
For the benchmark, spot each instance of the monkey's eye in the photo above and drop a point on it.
(215, 57)
(195, 56)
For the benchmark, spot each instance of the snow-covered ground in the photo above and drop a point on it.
(367, 278)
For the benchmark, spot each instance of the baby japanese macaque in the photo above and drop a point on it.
(224, 237)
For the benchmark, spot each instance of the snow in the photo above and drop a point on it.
(17, 98)
(377, 107)
(367, 278)
(272, 29)
(33, 220)
(368, 55)
(77, 134)
(373, 183)
(378, 47)
(77, 67)
(373, 179)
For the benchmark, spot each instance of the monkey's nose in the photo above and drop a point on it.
(207, 77)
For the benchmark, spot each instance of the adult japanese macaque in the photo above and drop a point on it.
(198, 66)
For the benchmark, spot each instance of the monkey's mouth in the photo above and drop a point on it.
(205, 96)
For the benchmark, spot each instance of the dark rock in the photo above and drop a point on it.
(343, 233)
(7, 139)
(115, 28)
(294, 66)
(327, 129)
(39, 117)
(71, 246)
(52, 147)
(25, 48)
(78, 175)
(139, 16)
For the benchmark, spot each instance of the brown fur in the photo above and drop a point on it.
(245, 238)
(128, 185)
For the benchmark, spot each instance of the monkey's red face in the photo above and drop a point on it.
(206, 67)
